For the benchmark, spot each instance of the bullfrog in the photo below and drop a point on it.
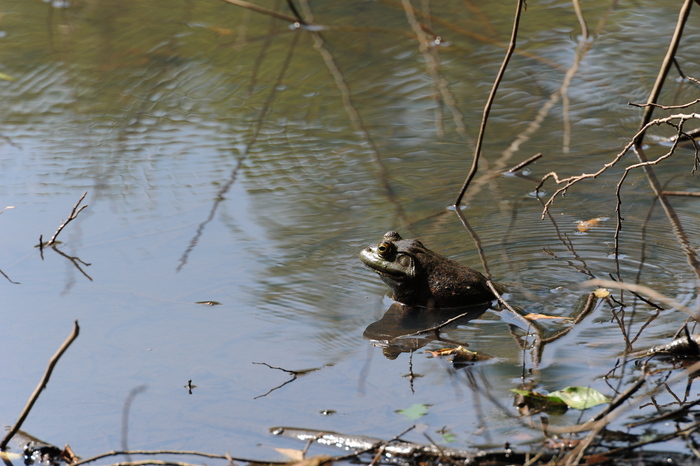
(418, 276)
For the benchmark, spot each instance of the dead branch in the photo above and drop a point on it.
(524, 163)
(680, 193)
(74, 213)
(665, 107)
(665, 67)
(489, 103)
(642, 290)
(572, 180)
(164, 452)
(42, 385)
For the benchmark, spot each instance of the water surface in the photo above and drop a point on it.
(230, 157)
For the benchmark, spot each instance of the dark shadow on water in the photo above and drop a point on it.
(405, 328)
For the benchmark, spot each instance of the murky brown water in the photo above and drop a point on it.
(229, 157)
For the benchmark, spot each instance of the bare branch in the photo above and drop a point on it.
(571, 180)
(642, 290)
(489, 103)
(665, 107)
(524, 163)
(42, 385)
(74, 214)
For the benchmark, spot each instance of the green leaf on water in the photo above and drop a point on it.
(447, 436)
(414, 411)
(581, 397)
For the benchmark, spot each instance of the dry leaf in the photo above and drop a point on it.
(295, 455)
(464, 355)
(601, 293)
(585, 225)
(314, 461)
(442, 352)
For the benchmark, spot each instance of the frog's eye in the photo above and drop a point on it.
(385, 249)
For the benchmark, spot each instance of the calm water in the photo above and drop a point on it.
(229, 157)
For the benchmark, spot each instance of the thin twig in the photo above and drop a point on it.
(74, 213)
(42, 385)
(572, 180)
(665, 67)
(665, 107)
(524, 163)
(680, 193)
(643, 290)
(489, 103)
(165, 452)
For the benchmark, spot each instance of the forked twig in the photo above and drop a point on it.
(74, 213)
(42, 385)
(572, 180)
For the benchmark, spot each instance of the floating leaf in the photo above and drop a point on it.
(295, 455)
(540, 402)
(585, 225)
(441, 352)
(460, 354)
(581, 397)
(601, 293)
(414, 412)
(447, 435)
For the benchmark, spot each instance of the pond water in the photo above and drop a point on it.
(228, 156)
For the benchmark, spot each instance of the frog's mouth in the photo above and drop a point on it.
(387, 268)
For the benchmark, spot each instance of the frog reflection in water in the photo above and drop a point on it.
(419, 277)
